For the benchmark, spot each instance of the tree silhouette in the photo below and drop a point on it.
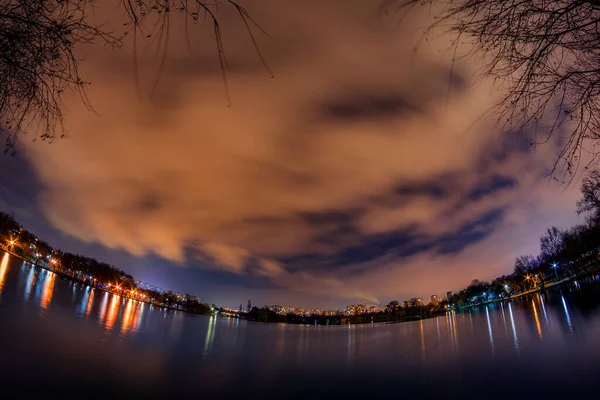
(546, 53)
(552, 243)
(38, 62)
(589, 203)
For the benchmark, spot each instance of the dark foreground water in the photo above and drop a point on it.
(57, 337)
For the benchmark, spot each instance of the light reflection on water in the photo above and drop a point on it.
(568, 317)
(537, 319)
(47, 289)
(30, 281)
(110, 310)
(529, 331)
(514, 330)
(491, 335)
(3, 268)
(113, 310)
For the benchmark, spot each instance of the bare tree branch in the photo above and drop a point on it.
(38, 62)
(547, 52)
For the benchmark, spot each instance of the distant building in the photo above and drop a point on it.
(147, 286)
(449, 295)
(249, 305)
(356, 309)
(416, 301)
(435, 300)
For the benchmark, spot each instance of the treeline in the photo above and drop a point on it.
(394, 312)
(86, 269)
(564, 254)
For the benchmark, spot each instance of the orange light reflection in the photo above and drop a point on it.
(90, 301)
(113, 309)
(537, 319)
(103, 307)
(3, 268)
(48, 290)
(129, 317)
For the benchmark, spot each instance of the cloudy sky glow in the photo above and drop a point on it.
(361, 172)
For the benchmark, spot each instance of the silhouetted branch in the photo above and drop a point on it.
(547, 52)
(38, 64)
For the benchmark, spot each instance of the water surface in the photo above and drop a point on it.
(58, 337)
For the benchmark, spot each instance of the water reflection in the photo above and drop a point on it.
(439, 336)
(103, 307)
(47, 289)
(130, 316)
(450, 329)
(422, 339)
(503, 318)
(111, 315)
(567, 313)
(3, 268)
(210, 335)
(490, 334)
(140, 315)
(83, 306)
(127, 314)
(454, 330)
(514, 330)
(537, 319)
(29, 282)
(541, 300)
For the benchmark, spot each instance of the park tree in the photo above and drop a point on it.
(545, 55)
(589, 203)
(552, 243)
(39, 40)
(525, 264)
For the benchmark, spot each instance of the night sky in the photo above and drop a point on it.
(362, 172)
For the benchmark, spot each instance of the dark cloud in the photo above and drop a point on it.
(491, 185)
(364, 105)
(470, 233)
(148, 203)
(437, 188)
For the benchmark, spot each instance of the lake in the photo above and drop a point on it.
(58, 337)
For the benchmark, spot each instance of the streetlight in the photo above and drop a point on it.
(12, 243)
(554, 266)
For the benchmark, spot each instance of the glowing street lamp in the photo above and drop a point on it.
(12, 243)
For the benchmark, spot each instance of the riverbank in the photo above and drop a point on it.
(89, 283)
(528, 292)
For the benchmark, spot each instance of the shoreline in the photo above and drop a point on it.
(516, 296)
(409, 319)
(77, 280)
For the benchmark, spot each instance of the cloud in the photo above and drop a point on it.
(349, 175)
